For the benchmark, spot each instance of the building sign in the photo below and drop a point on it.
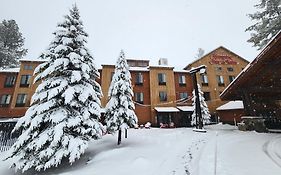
(222, 58)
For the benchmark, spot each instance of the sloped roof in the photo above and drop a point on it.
(231, 106)
(33, 60)
(166, 109)
(12, 70)
(186, 108)
(220, 47)
(258, 75)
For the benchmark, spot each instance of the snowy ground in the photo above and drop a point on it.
(222, 151)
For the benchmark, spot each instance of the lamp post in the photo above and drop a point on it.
(198, 113)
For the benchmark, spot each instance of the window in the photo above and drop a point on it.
(163, 96)
(24, 81)
(162, 79)
(139, 97)
(218, 68)
(183, 95)
(230, 69)
(5, 100)
(220, 80)
(139, 78)
(21, 99)
(182, 81)
(10, 81)
(204, 79)
(207, 96)
(27, 67)
(231, 78)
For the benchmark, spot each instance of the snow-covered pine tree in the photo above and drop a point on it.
(204, 108)
(11, 44)
(119, 112)
(267, 22)
(65, 109)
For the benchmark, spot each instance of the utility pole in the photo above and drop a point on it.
(198, 113)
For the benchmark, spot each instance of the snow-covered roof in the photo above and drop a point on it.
(2, 120)
(161, 66)
(231, 105)
(263, 62)
(15, 70)
(137, 59)
(186, 108)
(181, 71)
(138, 68)
(166, 109)
(237, 77)
(201, 69)
(34, 60)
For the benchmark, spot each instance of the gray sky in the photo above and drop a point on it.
(148, 29)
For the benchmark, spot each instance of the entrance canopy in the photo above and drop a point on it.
(166, 109)
(186, 108)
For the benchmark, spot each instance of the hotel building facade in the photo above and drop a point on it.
(161, 93)
(223, 66)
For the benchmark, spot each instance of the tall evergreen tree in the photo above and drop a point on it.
(268, 22)
(11, 44)
(65, 109)
(119, 113)
(204, 108)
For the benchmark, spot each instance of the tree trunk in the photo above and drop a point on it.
(126, 133)
(119, 137)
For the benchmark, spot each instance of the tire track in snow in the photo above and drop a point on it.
(216, 153)
(270, 151)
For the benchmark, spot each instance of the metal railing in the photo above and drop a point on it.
(7, 138)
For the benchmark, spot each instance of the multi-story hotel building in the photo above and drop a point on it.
(17, 85)
(8, 80)
(158, 91)
(161, 93)
(222, 67)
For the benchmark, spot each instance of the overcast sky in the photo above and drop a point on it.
(148, 29)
